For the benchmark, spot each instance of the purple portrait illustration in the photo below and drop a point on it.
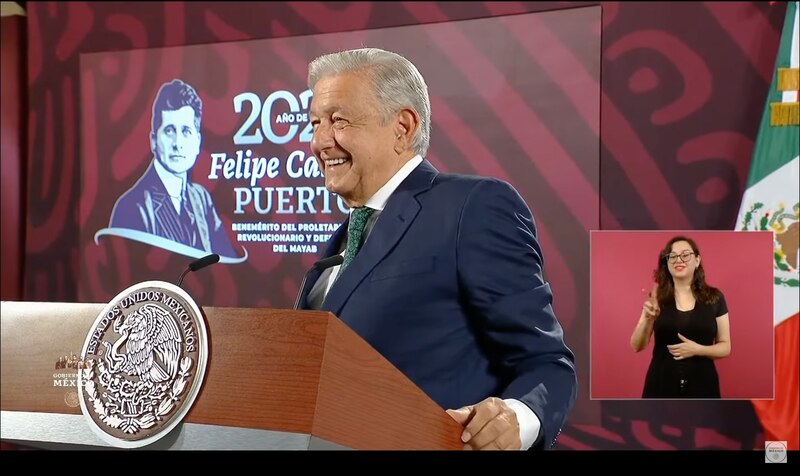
(165, 208)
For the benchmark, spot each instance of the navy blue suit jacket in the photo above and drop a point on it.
(449, 288)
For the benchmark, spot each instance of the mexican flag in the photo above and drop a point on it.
(771, 202)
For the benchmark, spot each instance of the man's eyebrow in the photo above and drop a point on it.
(329, 110)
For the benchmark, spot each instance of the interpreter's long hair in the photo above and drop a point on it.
(666, 287)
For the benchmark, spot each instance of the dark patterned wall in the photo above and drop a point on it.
(682, 89)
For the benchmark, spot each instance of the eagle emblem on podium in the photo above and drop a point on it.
(147, 353)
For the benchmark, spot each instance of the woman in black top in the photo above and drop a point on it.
(690, 321)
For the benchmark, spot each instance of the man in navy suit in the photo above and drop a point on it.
(442, 273)
(164, 202)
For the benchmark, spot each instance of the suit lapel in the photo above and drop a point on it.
(400, 211)
(157, 199)
(196, 202)
(334, 245)
(155, 194)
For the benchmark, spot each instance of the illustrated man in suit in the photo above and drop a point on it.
(164, 202)
(442, 274)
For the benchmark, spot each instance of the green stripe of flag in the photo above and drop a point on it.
(775, 146)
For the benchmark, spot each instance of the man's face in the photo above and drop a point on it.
(355, 152)
(176, 143)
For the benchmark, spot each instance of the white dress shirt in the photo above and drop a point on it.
(529, 423)
(378, 202)
(172, 183)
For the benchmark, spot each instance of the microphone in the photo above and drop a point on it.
(199, 264)
(320, 265)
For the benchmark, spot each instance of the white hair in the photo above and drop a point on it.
(396, 83)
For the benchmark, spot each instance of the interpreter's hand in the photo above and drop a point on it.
(488, 425)
(650, 309)
(687, 348)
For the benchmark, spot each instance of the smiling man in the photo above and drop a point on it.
(442, 273)
(164, 202)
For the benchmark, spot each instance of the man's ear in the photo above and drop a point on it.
(407, 122)
(406, 125)
(153, 142)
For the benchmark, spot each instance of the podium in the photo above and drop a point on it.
(276, 379)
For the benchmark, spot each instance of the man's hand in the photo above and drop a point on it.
(488, 425)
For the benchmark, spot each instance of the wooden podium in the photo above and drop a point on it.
(276, 379)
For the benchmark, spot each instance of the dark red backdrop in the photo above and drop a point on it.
(682, 90)
(506, 107)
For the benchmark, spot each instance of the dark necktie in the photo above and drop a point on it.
(355, 234)
(186, 208)
(187, 219)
